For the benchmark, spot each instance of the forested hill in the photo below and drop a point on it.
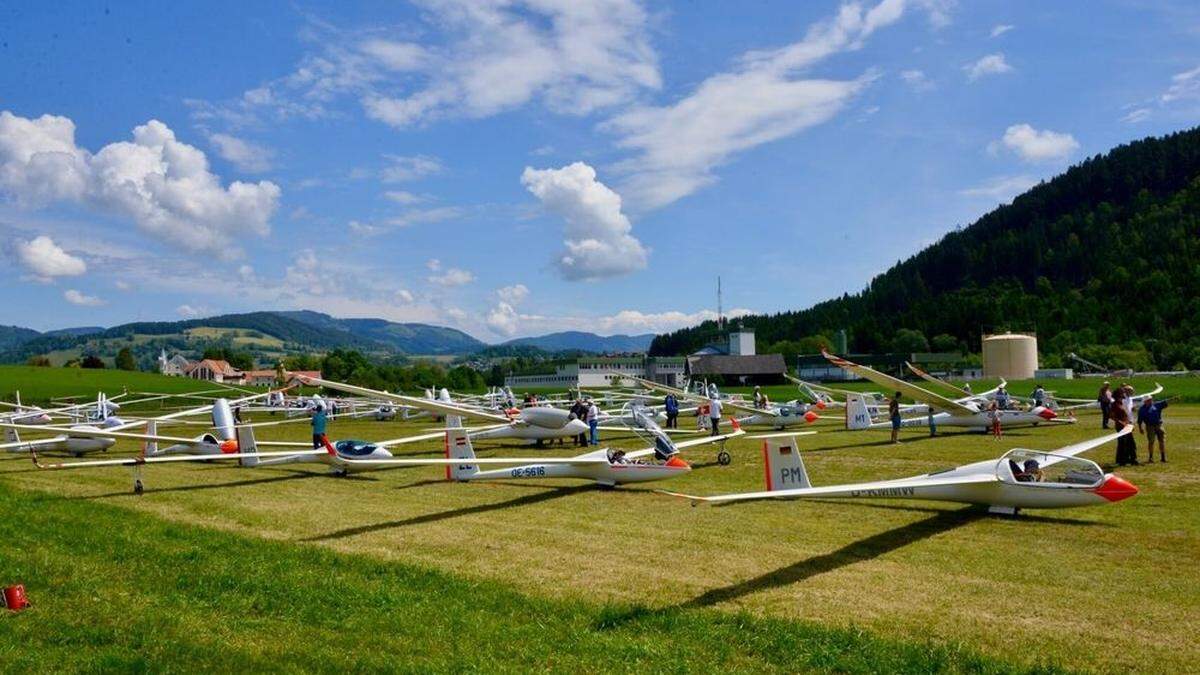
(1103, 260)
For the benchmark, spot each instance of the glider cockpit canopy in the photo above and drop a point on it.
(1048, 469)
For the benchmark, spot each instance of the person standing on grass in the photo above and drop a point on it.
(593, 420)
(714, 415)
(1126, 446)
(1150, 422)
(894, 416)
(994, 416)
(1105, 398)
(319, 421)
(579, 412)
(1039, 396)
(932, 423)
(671, 404)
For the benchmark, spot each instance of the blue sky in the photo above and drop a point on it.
(515, 168)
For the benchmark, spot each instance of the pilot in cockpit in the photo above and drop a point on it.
(616, 457)
(1030, 472)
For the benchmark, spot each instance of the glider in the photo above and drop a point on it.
(964, 412)
(1017, 480)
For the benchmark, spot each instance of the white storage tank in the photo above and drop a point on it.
(1012, 356)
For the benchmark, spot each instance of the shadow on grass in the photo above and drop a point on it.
(864, 549)
(527, 500)
(295, 475)
(1023, 517)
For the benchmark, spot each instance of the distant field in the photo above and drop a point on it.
(551, 564)
(238, 336)
(39, 385)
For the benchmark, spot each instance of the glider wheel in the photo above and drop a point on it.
(723, 458)
(138, 488)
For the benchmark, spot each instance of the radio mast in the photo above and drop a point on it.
(720, 311)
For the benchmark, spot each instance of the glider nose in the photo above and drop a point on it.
(811, 417)
(676, 462)
(1114, 488)
(230, 446)
(1047, 414)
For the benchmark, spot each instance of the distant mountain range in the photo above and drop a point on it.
(270, 334)
(587, 342)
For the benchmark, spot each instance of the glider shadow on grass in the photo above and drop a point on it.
(526, 500)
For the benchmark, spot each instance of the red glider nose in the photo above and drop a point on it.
(676, 462)
(1114, 488)
(230, 446)
(1047, 414)
(811, 417)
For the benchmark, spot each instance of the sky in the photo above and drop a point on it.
(517, 167)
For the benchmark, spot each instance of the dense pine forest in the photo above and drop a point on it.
(1103, 261)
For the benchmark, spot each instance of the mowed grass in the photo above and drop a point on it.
(115, 590)
(39, 385)
(1112, 587)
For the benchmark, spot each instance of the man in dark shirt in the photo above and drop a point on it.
(894, 416)
(1126, 446)
(1149, 421)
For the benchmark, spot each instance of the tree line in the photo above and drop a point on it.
(1102, 261)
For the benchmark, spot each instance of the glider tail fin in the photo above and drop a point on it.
(785, 467)
(150, 448)
(857, 414)
(222, 419)
(11, 435)
(458, 446)
(247, 445)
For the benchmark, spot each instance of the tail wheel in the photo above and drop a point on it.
(138, 488)
(723, 458)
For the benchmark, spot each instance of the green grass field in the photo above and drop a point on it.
(223, 567)
(39, 385)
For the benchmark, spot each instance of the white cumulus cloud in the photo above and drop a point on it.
(452, 277)
(766, 97)
(1033, 145)
(46, 259)
(163, 185)
(1001, 29)
(187, 311)
(992, 64)
(245, 155)
(76, 298)
(573, 56)
(599, 243)
(514, 295)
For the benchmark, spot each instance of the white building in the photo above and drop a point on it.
(175, 366)
(596, 372)
(741, 342)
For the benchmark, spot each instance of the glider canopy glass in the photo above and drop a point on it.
(1043, 468)
(355, 448)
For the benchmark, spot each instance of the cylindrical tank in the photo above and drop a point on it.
(1012, 356)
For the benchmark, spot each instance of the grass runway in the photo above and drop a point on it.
(904, 585)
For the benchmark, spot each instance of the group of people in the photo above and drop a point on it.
(586, 409)
(1117, 406)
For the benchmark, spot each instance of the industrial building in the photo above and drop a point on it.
(594, 372)
(1012, 356)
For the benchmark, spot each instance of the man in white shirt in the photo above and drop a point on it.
(593, 420)
(714, 415)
